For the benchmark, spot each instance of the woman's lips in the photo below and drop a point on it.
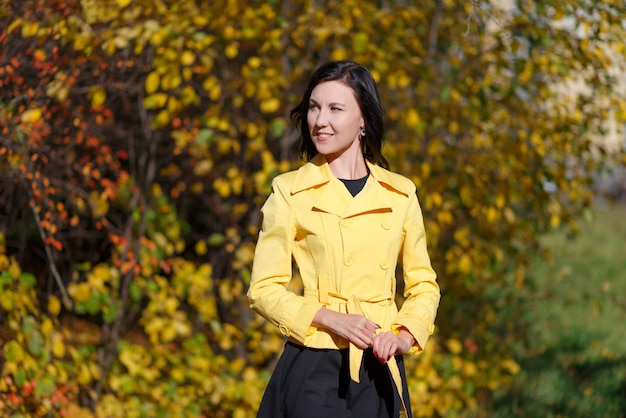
(323, 136)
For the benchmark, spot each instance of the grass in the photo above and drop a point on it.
(573, 361)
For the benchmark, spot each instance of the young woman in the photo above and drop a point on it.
(347, 221)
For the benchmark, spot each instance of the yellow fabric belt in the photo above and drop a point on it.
(353, 306)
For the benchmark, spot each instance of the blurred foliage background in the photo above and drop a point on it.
(138, 139)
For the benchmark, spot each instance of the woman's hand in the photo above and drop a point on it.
(355, 328)
(387, 344)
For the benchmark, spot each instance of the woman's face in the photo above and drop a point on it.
(334, 119)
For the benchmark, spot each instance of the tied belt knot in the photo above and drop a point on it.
(354, 306)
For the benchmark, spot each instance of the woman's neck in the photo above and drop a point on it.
(347, 168)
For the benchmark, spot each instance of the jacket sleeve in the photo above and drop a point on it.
(421, 290)
(272, 270)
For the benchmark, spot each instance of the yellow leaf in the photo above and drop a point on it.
(30, 29)
(130, 360)
(80, 292)
(465, 264)
(58, 348)
(152, 82)
(215, 92)
(270, 105)
(229, 32)
(120, 42)
(404, 81)
(254, 62)
(203, 167)
(339, 54)
(493, 214)
(209, 83)
(14, 269)
(469, 369)
(188, 58)
(232, 50)
(170, 305)
(4, 262)
(555, 220)
(155, 101)
(95, 281)
(189, 96)
(509, 215)
(511, 366)
(84, 377)
(412, 118)
(173, 105)
(171, 80)
(222, 187)
(162, 119)
(199, 20)
(95, 370)
(98, 96)
(500, 201)
(201, 247)
(54, 305)
(123, 3)
(47, 327)
(168, 332)
(82, 41)
(454, 346)
(32, 115)
(240, 413)
(14, 24)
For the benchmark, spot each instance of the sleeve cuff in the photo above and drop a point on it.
(296, 320)
(420, 332)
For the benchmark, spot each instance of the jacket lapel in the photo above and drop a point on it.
(373, 198)
(331, 196)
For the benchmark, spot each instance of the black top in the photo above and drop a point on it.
(355, 186)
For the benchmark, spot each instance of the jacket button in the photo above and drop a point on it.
(385, 224)
(348, 261)
(284, 330)
(384, 264)
(345, 223)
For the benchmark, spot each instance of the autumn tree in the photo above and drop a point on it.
(139, 139)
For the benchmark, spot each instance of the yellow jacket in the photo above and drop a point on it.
(346, 249)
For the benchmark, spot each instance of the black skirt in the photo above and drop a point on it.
(313, 383)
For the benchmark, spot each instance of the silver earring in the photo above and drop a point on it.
(362, 132)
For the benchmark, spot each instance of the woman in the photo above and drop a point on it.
(347, 221)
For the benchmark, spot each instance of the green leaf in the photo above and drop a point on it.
(444, 94)
(35, 342)
(205, 137)
(216, 239)
(20, 378)
(360, 42)
(13, 351)
(28, 280)
(109, 315)
(278, 127)
(135, 292)
(44, 388)
(93, 303)
(128, 385)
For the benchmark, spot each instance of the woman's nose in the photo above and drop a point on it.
(321, 118)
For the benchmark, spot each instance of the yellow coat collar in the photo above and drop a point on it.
(333, 197)
(316, 173)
